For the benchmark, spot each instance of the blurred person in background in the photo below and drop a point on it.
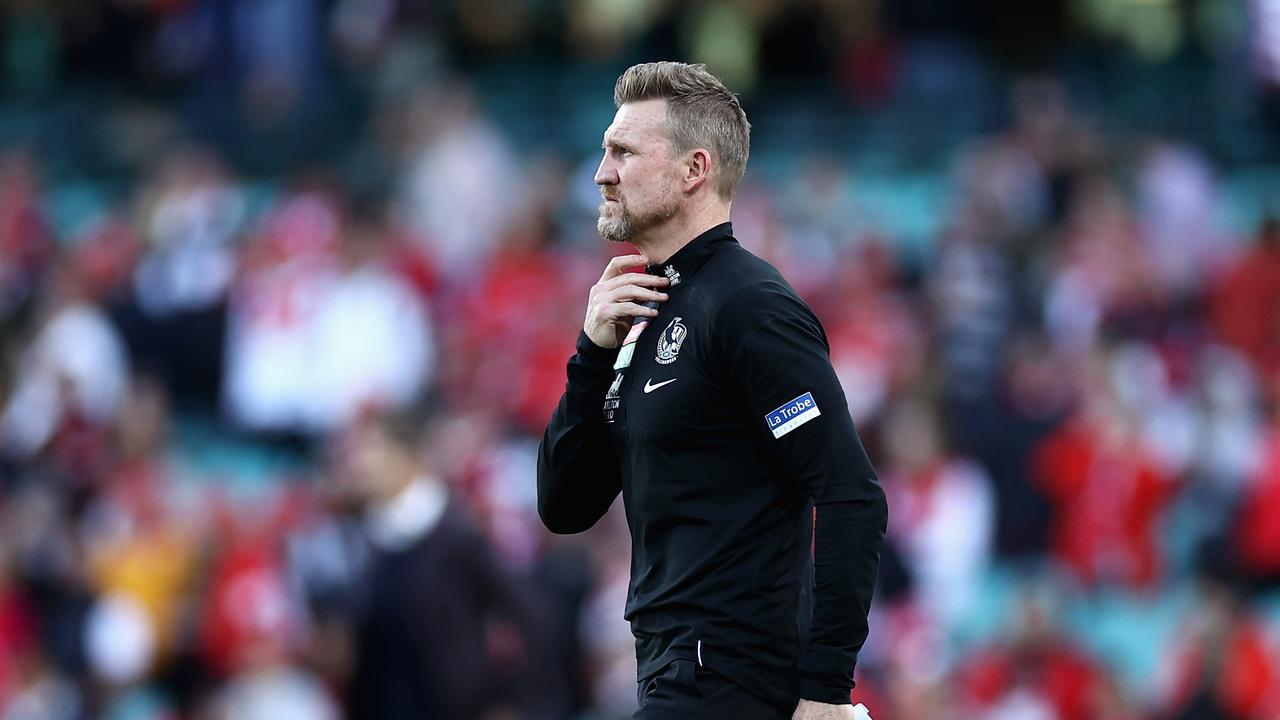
(322, 321)
(874, 330)
(141, 555)
(458, 164)
(942, 513)
(374, 341)
(1177, 192)
(721, 507)
(45, 597)
(193, 213)
(1003, 436)
(1037, 672)
(440, 631)
(1255, 532)
(1107, 490)
(287, 270)
(26, 242)
(1223, 664)
(251, 630)
(1246, 300)
(73, 376)
(19, 630)
(522, 294)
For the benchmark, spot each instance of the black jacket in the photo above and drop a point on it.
(726, 430)
(420, 650)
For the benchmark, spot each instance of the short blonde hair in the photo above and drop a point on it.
(701, 112)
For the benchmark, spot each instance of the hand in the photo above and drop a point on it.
(618, 298)
(812, 710)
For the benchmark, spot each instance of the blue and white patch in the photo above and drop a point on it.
(792, 415)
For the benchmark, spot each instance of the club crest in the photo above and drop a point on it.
(670, 340)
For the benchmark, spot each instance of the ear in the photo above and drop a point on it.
(697, 168)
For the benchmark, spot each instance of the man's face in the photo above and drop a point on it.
(373, 463)
(639, 176)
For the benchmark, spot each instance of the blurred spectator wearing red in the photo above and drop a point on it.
(1107, 493)
(1246, 301)
(1222, 665)
(1036, 673)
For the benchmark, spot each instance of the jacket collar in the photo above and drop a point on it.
(687, 260)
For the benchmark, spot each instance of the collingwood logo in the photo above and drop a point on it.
(672, 274)
(670, 340)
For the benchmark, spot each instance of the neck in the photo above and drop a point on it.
(663, 241)
(410, 514)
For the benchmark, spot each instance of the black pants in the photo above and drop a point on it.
(686, 691)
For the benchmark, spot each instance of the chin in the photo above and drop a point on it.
(612, 231)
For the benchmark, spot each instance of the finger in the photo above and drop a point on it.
(631, 292)
(642, 279)
(619, 311)
(617, 264)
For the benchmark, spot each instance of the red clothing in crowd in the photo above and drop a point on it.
(1065, 678)
(1246, 303)
(26, 242)
(18, 637)
(515, 321)
(1240, 679)
(1257, 530)
(247, 608)
(1106, 502)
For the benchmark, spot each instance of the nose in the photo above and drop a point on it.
(606, 174)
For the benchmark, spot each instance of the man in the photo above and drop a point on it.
(431, 592)
(702, 390)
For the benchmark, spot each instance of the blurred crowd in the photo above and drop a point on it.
(283, 316)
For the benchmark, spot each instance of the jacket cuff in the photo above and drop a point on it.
(819, 692)
(593, 355)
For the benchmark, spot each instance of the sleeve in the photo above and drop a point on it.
(578, 470)
(779, 364)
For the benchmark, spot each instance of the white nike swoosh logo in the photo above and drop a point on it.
(650, 387)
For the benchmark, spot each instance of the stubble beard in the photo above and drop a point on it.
(627, 225)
